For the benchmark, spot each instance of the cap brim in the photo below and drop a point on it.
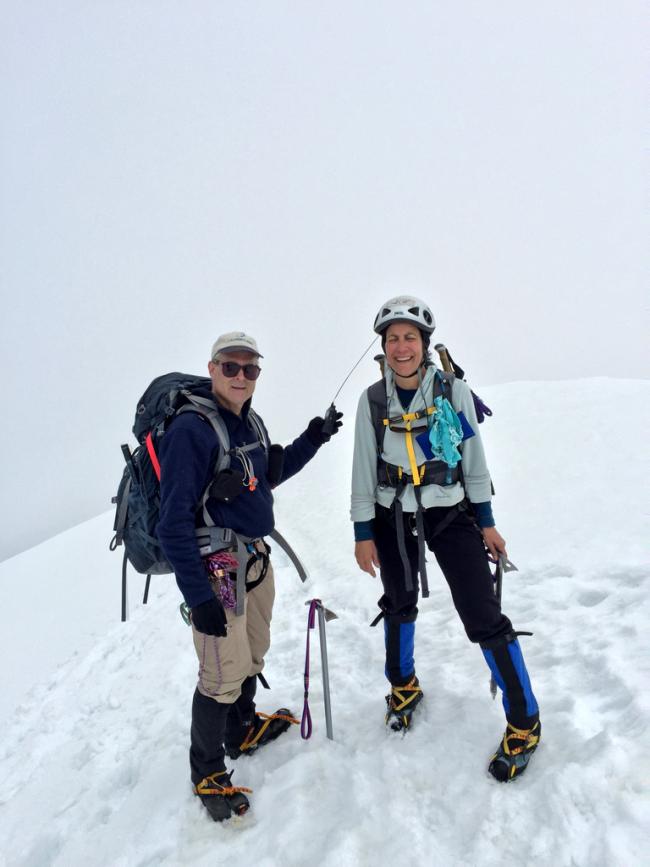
(234, 348)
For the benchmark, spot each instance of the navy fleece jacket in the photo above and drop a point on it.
(188, 453)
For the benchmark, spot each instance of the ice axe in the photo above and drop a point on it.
(324, 614)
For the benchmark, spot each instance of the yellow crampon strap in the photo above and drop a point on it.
(210, 786)
(525, 735)
(405, 700)
(267, 722)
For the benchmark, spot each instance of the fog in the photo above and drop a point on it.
(170, 171)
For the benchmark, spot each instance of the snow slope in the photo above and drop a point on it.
(95, 713)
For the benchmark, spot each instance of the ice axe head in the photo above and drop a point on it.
(329, 615)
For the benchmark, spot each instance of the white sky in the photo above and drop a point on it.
(170, 171)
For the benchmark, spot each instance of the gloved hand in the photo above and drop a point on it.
(227, 485)
(315, 429)
(210, 618)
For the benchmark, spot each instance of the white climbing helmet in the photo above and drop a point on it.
(405, 308)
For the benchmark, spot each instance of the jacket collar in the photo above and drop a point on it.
(224, 411)
(427, 387)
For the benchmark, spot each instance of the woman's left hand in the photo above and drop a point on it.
(494, 542)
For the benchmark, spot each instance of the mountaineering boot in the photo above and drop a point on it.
(401, 703)
(514, 752)
(262, 729)
(221, 798)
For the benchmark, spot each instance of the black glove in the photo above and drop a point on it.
(315, 431)
(210, 618)
(227, 485)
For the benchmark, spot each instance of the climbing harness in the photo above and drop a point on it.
(431, 472)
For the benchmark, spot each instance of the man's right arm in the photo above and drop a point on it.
(186, 459)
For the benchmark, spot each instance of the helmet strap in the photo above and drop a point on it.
(416, 372)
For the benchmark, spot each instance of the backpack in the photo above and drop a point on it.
(138, 497)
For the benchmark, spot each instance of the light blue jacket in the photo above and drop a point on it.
(365, 490)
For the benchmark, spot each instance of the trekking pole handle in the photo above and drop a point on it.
(441, 349)
(329, 424)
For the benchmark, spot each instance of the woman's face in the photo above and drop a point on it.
(404, 348)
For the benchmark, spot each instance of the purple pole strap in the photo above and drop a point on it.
(305, 723)
(481, 409)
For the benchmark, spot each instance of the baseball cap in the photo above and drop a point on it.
(235, 341)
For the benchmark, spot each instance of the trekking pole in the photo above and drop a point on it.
(324, 614)
(330, 416)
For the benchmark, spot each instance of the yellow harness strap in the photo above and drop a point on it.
(411, 453)
(414, 416)
(407, 418)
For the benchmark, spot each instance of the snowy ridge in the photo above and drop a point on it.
(93, 761)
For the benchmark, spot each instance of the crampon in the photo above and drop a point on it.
(220, 798)
(401, 703)
(514, 752)
(264, 729)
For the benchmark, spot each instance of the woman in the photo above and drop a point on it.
(420, 477)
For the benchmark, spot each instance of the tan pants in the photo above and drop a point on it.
(224, 663)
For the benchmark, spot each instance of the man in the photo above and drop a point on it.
(419, 478)
(231, 633)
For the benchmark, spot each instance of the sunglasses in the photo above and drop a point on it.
(230, 369)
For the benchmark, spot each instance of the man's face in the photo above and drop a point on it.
(404, 348)
(232, 392)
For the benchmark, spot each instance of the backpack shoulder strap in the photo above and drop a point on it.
(206, 408)
(256, 422)
(378, 410)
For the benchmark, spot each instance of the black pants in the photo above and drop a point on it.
(215, 723)
(461, 555)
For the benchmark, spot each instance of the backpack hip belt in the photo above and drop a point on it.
(429, 473)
